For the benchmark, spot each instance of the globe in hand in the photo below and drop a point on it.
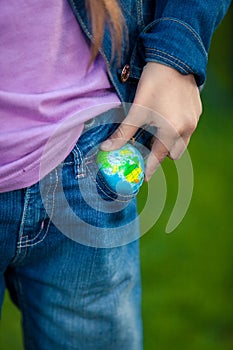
(122, 169)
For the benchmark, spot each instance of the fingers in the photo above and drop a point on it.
(179, 147)
(158, 152)
(167, 141)
(161, 149)
(123, 133)
(171, 139)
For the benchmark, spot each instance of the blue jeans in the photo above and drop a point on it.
(72, 295)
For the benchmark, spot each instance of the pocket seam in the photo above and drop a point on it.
(125, 198)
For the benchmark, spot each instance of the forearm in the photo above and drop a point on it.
(181, 33)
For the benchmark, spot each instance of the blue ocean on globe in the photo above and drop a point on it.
(122, 169)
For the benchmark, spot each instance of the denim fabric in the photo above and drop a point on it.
(71, 295)
(172, 32)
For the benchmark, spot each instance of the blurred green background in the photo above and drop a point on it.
(187, 275)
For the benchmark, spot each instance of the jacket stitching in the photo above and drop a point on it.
(139, 13)
(172, 62)
(167, 54)
(101, 50)
(190, 29)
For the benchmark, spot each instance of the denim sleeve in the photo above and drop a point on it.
(181, 33)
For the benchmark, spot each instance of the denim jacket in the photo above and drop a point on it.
(172, 32)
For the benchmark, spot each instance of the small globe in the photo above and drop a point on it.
(122, 169)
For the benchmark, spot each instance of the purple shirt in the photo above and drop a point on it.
(43, 86)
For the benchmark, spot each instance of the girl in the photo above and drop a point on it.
(69, 252)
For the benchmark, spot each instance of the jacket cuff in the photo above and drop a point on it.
(174, 43)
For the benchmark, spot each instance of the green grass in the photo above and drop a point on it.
(10, 332)
(187, 274)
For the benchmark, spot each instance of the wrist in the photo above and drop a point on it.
(168, 72)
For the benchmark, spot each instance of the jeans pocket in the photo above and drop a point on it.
(102, 187)
(143, 139)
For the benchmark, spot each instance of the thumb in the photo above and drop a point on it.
(119, 138)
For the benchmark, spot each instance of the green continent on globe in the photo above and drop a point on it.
(102, 158)
(126, 163)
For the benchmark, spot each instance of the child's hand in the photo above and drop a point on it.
(172, 103)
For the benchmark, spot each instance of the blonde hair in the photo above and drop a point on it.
(109, 12)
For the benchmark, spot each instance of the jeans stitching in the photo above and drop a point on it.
(50, 216)
(21, 237)
(46, 201)
(19, 255)
(79, 166)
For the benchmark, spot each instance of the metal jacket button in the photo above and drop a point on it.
(125, 73)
